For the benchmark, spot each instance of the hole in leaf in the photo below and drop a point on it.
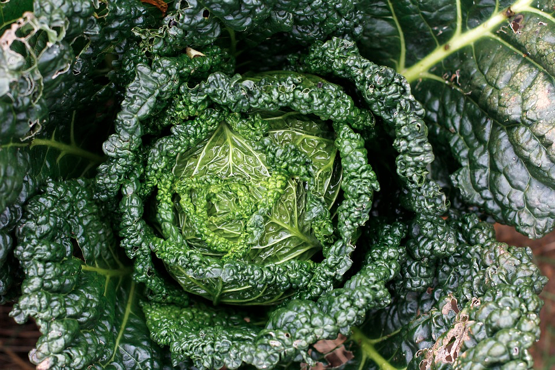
(77, 251)
(58, 30)
(24, 32)
(454, 306)
(79, 44)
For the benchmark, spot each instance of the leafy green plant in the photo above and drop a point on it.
(484, 74)
(228, 184)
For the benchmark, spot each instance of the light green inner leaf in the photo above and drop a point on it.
(234, 159)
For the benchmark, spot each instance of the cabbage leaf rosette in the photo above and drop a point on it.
(246, 210)
(254, 190)
(225, 185)
(250, 183)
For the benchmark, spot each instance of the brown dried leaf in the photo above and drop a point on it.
(159, 4)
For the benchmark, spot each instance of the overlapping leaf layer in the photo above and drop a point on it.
(207, 184)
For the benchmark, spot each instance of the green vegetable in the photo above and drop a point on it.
(229, 183)
(87, 306)
(52, 110)
(484, 73)
(481, 310)
(243, 198)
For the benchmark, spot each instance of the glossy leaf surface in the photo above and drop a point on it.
(483, 72)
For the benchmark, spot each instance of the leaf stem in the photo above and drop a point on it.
(459, 19)
(402, 46)
(459, 41)
(125, 320)
(14, 145)
(233, 41)
(107, 272)
(367, 346)
(381, 339)
(539, 13)
(68, 149)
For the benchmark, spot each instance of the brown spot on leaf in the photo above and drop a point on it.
(509, 13)
(450, 306)
(516, 23)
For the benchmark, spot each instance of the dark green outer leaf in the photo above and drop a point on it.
(14, 164)
(12, 10)
(44, 90)
(480, 310)
(197, 23)
(86, 306)
(489, 93)
(15, 187)
(24, 167)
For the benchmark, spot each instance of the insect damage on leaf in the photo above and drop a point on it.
(447, 347)
(450, 306)
(516, 23)
(509, 13)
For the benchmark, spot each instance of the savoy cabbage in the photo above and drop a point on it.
(210, 184)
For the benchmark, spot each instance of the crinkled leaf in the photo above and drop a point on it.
(226, 154)
(53, 113)
(485, 73)
(77, 287)
(482, 309)
(25, 166)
